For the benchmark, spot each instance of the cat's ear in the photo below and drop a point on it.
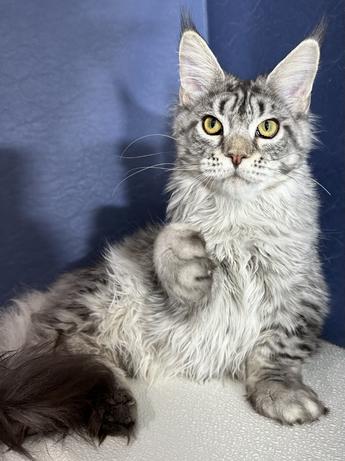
(199, 68)
(294, 76)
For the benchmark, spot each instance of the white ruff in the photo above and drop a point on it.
(266, 233)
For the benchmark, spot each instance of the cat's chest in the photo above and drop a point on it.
(241, 301)
(245, 277)
(222, 334)
(240, 261)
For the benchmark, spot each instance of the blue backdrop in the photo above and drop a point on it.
(80, 80)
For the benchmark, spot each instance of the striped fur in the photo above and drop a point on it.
(232, 283)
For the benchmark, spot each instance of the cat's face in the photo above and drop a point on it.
(236, 135)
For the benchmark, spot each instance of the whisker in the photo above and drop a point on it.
(156, 164)
(171, 166)
(148, 155)
(159, 166)
(205, 180)
(144, 137)
(304, 176)
(141, 170)
(316, 182)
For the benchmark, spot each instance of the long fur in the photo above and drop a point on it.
(231, 285)
(44, 392)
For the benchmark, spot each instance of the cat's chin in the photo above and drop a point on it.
(230, 177)
(239, 187)
(238, 180)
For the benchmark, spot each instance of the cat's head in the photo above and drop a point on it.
(236, 135)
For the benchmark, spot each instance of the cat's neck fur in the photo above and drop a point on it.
(287, 210)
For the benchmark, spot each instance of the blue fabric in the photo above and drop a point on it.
(81, 79)
(251, 37)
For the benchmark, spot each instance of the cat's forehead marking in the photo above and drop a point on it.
(243, 100)
(261, 106)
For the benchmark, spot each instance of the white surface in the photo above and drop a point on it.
(183, 421)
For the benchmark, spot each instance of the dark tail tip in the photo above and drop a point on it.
(47, 393)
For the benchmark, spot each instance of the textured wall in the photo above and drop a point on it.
(79, 80)
(250, 37)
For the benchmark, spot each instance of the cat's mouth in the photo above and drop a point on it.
(234, 177)
(237, 177)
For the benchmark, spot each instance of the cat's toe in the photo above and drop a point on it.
(287, 405)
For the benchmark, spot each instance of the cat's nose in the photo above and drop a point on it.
(236, 158)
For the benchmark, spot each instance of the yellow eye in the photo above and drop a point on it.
(212, 125)
(268, 128)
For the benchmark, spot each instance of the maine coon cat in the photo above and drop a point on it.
(230, 285)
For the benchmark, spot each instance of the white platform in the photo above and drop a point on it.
(183, 421)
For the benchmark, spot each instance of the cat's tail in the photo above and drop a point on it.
(45, 391)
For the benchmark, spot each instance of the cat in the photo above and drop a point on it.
(230, 285)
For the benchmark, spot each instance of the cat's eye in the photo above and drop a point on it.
(212, 125)
(268, 128)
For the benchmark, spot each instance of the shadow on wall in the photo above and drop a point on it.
(144, 189)
(145, 160)
(36, 247)
(31, 255)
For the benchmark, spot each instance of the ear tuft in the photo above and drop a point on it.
(199, 68)
(187, 22)
(319, 32)
(294, 76)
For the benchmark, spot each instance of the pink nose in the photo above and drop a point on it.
(236, 159)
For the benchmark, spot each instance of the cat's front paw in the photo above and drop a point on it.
(288, 404)
(182, 263)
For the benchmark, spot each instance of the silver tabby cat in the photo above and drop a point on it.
(232, 284)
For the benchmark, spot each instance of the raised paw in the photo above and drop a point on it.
(182, 263)
(288, 404)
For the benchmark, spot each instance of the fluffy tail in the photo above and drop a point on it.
(52, 392)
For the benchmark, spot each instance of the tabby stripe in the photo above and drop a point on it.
(236, 96)
(189, 127)
(285, 355)
(250, 103)
(309, 323)
(300, 331)
(230, 87)
(305, 347)
(292, 136)
(310, 305)
(242, 108)
(261, 108)
(222, 105)
(255, 90)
